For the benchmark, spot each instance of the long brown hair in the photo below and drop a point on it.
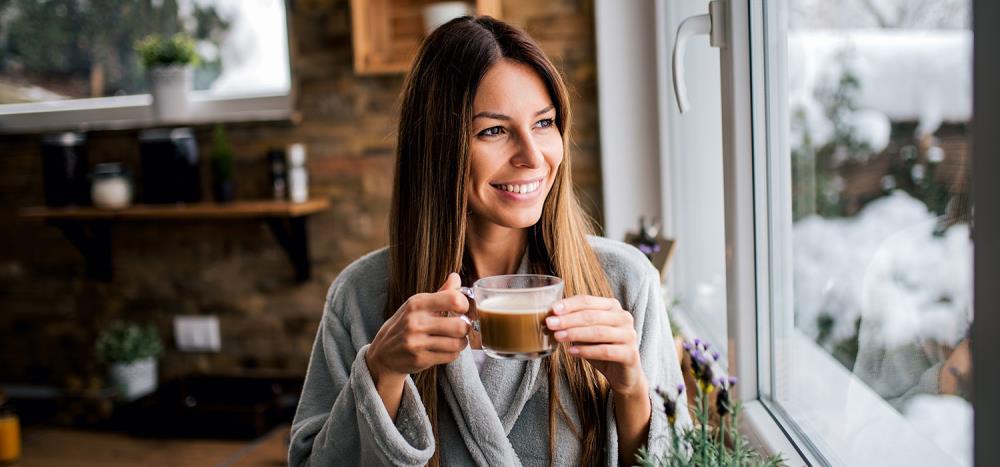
(429, 206)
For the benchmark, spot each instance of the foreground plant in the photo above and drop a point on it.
(705, 443)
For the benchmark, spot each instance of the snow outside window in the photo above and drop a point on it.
(871, 362)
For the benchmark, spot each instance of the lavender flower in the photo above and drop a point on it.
(723, 402)
(670, 403)
(701, 363)
(649, 249)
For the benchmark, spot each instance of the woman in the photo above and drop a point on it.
(483, 187)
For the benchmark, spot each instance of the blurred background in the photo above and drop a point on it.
(66, 280)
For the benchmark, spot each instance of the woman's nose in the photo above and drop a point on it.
(529, 154)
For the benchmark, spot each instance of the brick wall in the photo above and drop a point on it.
(234, 269)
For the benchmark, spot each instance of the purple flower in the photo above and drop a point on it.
(733, 380)
(669, 405)
(649, 249)
(722, 403)
(687, 345)
(715, 355)
(680, 388)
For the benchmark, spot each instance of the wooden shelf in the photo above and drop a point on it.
(387, 33)
(234, 210)
(89, 229)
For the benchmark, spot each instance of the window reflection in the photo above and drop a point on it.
(879, 101)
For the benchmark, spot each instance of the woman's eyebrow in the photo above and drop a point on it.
(499, 116)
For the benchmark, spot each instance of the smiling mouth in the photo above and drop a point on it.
(521, 188)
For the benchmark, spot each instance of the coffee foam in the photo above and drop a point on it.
(512, 304)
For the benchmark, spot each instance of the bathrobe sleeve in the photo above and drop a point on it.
(341, 419)
(656, 350)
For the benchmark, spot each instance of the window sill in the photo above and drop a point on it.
(133, 112)
(844, 419)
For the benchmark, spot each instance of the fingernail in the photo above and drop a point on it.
(560, 335)
(558, 308)
(552, 321)
(574, 350)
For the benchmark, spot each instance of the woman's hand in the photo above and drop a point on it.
(603, 333)
(956, 372)
(420, 334)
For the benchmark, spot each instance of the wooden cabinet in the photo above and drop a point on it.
(387, 33)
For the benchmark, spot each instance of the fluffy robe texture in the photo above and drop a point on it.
(498, 416)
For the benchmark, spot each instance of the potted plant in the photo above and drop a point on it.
(713, 437)
(168, 62)
(222, 166)
(130, 351)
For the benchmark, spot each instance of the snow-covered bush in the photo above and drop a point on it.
(891, 266)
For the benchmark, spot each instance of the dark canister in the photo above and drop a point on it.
(277, 169)
(169, 164)
(65, 170)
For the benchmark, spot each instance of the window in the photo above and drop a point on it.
(870, 354)
(65, 63)
(843, 235)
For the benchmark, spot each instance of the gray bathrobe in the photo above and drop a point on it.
(498, 416)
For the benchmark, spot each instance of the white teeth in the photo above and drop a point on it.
(520, 189)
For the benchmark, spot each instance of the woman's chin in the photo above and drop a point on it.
(515, 220)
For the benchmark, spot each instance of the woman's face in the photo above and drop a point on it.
(516, 147)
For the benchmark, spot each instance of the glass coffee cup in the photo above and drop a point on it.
(511, 312)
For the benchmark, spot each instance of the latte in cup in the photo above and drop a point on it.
(513, 326)
(510, 314)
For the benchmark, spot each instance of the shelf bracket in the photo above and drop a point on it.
(93, 240)
(293, 237)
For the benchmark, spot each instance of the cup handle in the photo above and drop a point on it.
(468, 292)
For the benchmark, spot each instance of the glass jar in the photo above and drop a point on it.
(111, 186)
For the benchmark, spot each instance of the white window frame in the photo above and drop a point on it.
(136, 111)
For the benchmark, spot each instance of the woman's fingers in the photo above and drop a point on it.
(438, 302)
(597, 334)
(584, 302)
(452, 327)
(589, 317)
(444, 344)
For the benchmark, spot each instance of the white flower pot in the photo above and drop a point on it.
(134, 380)
(436, 14)
(169, 86)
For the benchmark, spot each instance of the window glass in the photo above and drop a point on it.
(878, 99)
(68, 49)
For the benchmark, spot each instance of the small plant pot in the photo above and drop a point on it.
(169, 86)
(134, 380)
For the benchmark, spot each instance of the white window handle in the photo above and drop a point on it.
(710, 24)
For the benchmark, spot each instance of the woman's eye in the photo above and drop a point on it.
(545, 123)
(492, 131)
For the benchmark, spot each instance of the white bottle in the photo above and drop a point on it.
(298, 178)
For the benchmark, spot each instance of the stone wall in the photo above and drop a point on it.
(50, 314)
